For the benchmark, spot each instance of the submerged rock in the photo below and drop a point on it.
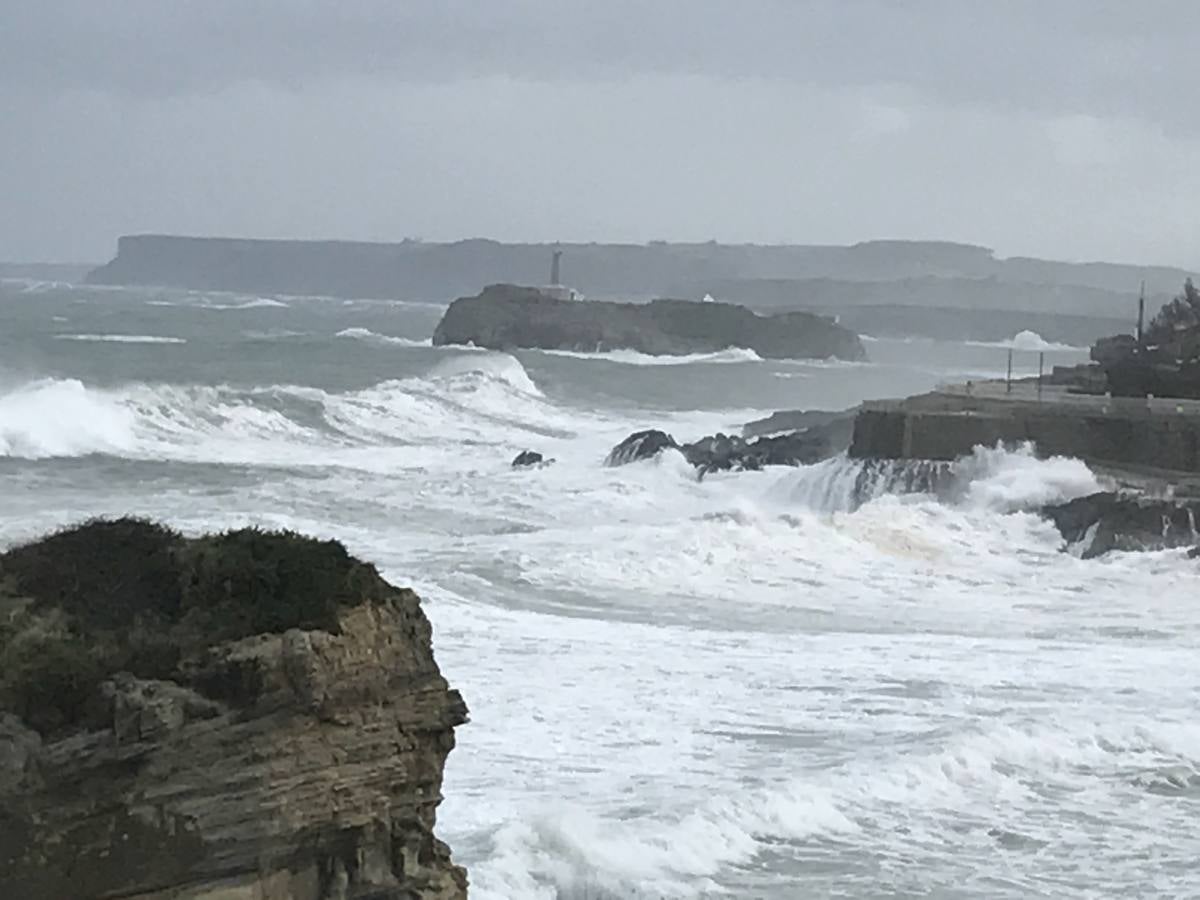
(1107, 521)
(506, 316)
(243, 714)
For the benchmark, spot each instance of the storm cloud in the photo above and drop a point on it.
(1065, 128)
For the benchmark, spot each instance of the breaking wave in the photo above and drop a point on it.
(122, 338)
(991, 478)
(471, 400)
(988, 779)
(1029, 341)
(53, 417)
(371, 337)
(635, 358)
(257, 303)
(206, 302)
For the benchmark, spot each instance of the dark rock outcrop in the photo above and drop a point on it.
(640, 445)
(241, 715)
(1108, 521)
(529, 458)
(506, 317)
(722, 452)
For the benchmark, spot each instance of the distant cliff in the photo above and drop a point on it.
(959, 275)
(958, 292)
(505, 317)
(240, 715)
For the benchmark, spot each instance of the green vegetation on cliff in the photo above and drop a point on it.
(129, 595)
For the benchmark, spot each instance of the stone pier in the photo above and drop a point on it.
(1150, 433)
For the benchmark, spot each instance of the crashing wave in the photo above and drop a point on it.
(371, 337)
(635, 358)
(991, 478)
(1029, 341)
(122, 338)
(472, 398)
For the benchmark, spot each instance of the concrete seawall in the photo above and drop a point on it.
(1148, 433)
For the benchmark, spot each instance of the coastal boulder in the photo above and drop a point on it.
(723, 452)
(507, 317)
(1107, 521)
(527, 459)
(640, 445)
(794, 448)
(248, 714)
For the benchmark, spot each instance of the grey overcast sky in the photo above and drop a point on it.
(1062, 128)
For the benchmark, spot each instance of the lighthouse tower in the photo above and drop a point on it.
(556, 288)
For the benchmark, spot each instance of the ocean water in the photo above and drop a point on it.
(750, 686)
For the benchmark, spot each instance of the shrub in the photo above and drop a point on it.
(131, 595)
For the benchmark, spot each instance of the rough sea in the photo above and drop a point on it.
(741, 686)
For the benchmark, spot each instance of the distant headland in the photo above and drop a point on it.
(882, 275)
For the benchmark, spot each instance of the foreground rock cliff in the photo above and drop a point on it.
(246, 715)
(505, 317)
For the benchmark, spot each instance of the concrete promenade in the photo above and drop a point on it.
(1148, 433)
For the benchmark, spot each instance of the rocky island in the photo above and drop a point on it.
(506, 317)
(243, 715)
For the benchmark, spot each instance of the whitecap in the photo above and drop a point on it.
(122, 338)
(635, 358)
(371, 337)
(1029, 341)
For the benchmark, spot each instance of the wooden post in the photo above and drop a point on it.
(1041, 366)
(1008, 377)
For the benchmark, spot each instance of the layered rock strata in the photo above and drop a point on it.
(246, 715)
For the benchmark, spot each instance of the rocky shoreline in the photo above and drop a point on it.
(260, 715)
(248, 714)
(1123, 517)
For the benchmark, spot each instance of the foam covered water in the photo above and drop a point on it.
(634, 358)
(1030, 341)
(849, 679)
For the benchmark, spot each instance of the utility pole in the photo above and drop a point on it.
(1141, 314)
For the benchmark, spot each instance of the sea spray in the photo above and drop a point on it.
(61, 417)
(992, 478)
(470, 399)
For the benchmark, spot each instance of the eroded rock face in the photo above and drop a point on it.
(290, 763)
(1108, 521)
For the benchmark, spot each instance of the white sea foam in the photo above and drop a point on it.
(989, 478)
(635, 358)
(122, 338)
(1003, 481)
(256, 303)
(371, 337)
(50, 417)
(222, 302)
(811, 682)
(1029, 341)
(469, 400)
